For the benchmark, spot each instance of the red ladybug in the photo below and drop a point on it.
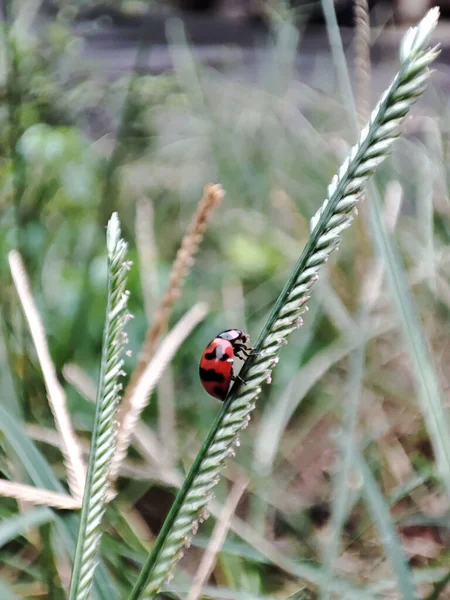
(216, 363)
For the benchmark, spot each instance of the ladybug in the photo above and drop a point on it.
(216, 363)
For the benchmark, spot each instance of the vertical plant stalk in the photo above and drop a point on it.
(332, 218)
(103, 435)
(212, 196)
(362, 58)
(147, 253)
(358, 112)
(363, 84)
(76, 469)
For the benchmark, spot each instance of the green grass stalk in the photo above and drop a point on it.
(103, 435)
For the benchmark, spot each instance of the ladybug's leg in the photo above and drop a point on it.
(245, 351)
(237, 378)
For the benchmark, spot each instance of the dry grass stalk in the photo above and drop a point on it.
(148, 261)
(130, 413)
(147, 252)
(48, 436)
(212, 196)
(76, 470)
(219, 534)
(81, 381)
(373, 281)
(362, 58)
(130, 469)
(363, 78)
(167, 418)
(33, 495)
(152, 451)
(184, 260)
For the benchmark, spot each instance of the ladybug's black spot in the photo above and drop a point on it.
(211, 375)
(220, 393)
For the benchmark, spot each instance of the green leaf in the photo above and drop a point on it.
(19, 524)
(388, 534)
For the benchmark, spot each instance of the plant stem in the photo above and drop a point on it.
(103, 435)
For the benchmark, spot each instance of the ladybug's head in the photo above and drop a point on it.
(235, 336)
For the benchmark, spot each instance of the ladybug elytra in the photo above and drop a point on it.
(216, 363)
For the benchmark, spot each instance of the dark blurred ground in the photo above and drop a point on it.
(240, 43)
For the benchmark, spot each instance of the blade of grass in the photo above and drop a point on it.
(340, 63)
(18, 524)
(427, 386)
(344, 502)
(29, 456)
(362, 57)
(9, 399)
(388, 534)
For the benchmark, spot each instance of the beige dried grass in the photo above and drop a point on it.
(147, 253)
(363, 78)
(28, 493)
(362, 59)
(212, 196)
(76, 469)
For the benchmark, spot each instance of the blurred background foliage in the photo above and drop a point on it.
(78, 142)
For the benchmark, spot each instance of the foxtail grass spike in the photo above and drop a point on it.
(103, 436)
(331, 219)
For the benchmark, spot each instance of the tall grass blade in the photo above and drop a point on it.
(428, 391)
(327, 225)
(18, 524)
(386, 528)
(15, 439)
(103, 436)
